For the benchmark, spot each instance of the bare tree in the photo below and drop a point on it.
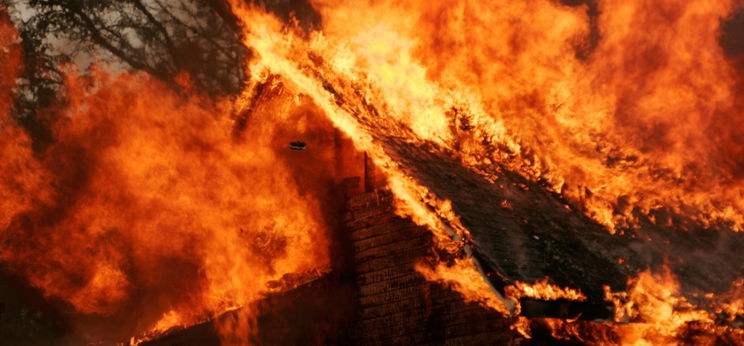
(163, 38)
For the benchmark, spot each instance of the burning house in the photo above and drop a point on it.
(462, 173)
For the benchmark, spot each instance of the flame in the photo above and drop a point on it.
(11, 60)
(731, 303)
(652, 312)
(462, 278)
(168, 320)
(660, 315)
(157, 212)
(616, 117)
(282, 52)
(18, 190)
(614, 130)
(655, 301)
(276, 48)
(536, 87)
(543, 290)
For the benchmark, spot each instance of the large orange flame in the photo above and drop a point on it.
(654, 302)
(646, 119)
(150, 200)
(18, 190)
(468, 282)
(625, 112)
(156, 211)
(652, 312)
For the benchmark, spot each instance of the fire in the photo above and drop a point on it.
(18, 190)
(652, 312)
(461, 277)
(543, 290)
(625, 111)
(169, 319)
(11, 57)
(550, 95)
(655, 302)
(468, 282)
(610, 128)
(147, 209)
(11, 60)
(731, 303)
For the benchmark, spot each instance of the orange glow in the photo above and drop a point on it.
(621, 123)
(169, 319)
(18, 190)
(277, 48)
(652, 312)
(659, 315)
(732, 302)
(11, 60)
(468, 282)
(543, 290)
(157, 209)
(655, 302)
(615, 129)
(153, 204)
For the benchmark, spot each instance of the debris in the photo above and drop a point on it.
(297, 145)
